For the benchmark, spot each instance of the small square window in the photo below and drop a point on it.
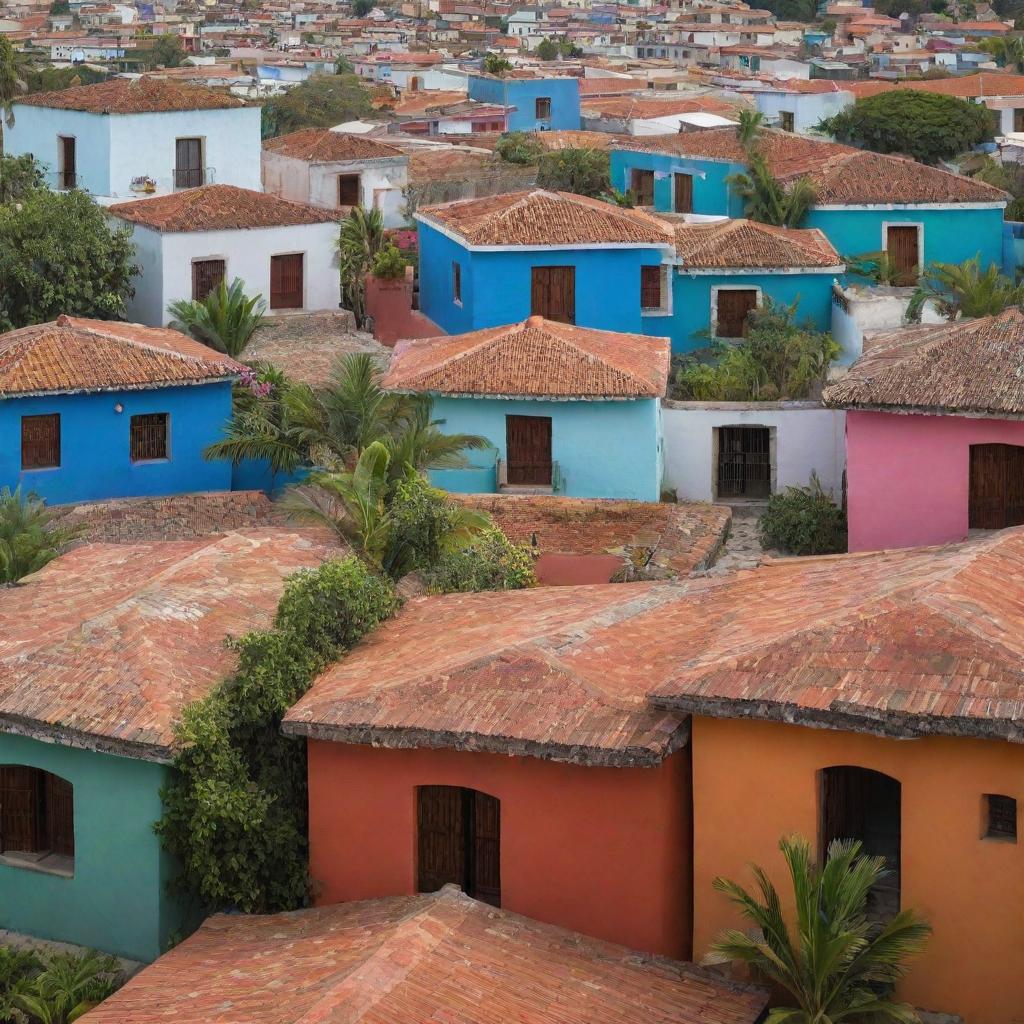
(40, 441)
(149, 437)
(1000, 817)
(457, 282)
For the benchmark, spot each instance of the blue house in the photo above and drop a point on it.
(568, 410)
(500, 259)
(92, 409)
(538, 102)
(866, 202)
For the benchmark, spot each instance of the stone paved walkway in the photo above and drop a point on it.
(743, 547)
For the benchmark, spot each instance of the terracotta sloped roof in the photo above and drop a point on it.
(321, 145)
(973, 367)
(644, 106)
(106, 645)
(406, 959)
(746, 243)
(538, 217)
(133, 96)
(74, 354)
(985, 83)
(219, 208)
(538, 358)
(509, 672)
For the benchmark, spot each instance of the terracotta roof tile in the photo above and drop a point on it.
(405, 959)
(746, 243)
(538, 358)
(219, 208)
(106, 645)
(321, 145)
(985, 83)
(133, 96)
(73, 354)
(545, 218)
(973, 367)
(643, 106)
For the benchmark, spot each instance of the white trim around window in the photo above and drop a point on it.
(886, 224)
(715, 289)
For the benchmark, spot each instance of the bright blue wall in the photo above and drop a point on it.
(691, 301)
(522, 93)
(480, 476)
(603, 449)
(496, 285)
(711, 193)
(95, 448)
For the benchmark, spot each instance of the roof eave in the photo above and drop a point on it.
(113, 388)
(48, 732)
(924, 410)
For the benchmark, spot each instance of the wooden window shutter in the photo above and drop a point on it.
(650, 287)
(642, 186)
(348, 190)
(684, 193)
(733, 306)
(485, 883)
(902, 246)
(441, 837)
(60, 823)
(149, 437)
(457, 282)
(206, 277)
(40, 441)
(553, 293)
(286, 281)
(20, 800)
(188, 158)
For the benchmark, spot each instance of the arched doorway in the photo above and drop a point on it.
(996, 493)
(459, 840)
(858, 803)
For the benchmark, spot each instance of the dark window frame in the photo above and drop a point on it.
(651, 286)
(542, 108)
(352, 182)
(53, 446)
(208, 273)
(37, 816)
(1000, 818)
(457, 282)
(150, 437)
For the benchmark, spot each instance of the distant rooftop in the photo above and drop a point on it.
(323, 145)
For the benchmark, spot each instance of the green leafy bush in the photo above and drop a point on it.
(804, 521)
(53, 988)
(580, 170)
(389, 264)
(29, 536)
(491, 562)
(235, 813)
(519, 148)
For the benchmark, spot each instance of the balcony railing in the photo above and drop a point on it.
(193, 177)
(67, 180)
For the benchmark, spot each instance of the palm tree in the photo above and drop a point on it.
(965, 290)
(1008, 51)
(767, 200)
(10, 84)
(28, 537)
(225, 320)
(748, 128)
(362, 237)
(839, 966)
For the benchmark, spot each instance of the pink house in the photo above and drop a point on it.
(935, 433)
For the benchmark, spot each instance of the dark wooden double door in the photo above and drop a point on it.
(287, 285)
(459, 841)
(528, 450)
(553, 294)
(996, 490)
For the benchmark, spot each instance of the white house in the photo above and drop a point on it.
(336, 171)
(138, 136)
(187, 242)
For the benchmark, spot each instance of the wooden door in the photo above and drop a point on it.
(641, 184)
(19, 809)
(441, 842)
(60, 822)
(68, 159)
(485, 880)
(286, 284)
(553, 294)
(902, 245)
(188, 163)
(206, 277)
(996, 489)
(528, 450)
(683, 193)
(733, 306)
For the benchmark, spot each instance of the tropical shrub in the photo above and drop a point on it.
(68, 986)
(225, 320)
(583, 171)
(519, 148)
(361, 239)
(389, 264)
(767, 200)
(838, 965)
(1007, 176)
(489, 562)
(876, 267)
(494, 64)
(29, 535)
(19, 175)
(235, 811)
(804, 521)
(965, 290)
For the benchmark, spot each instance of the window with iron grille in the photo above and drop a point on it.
(1001, 817)
(36, 813)
(542, 108)
(149, 437)
(206, 277)
(457, 282)
(650, 287)
(40, 441)
(348, 189)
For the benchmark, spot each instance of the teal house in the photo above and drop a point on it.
(866, 202)
(99, 653)
(536, 101)
(567, 410)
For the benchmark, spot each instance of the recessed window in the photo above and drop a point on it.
(36, 818)
(149, 437)
(641, 184)
(650, 288)
(188, 163)
(786, 121)
(348, 189)
(542, 108)
(40, 441)
(457, 282)
(206, 277)
(1000, 817)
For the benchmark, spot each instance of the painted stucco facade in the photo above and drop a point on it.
(112, 150)
(601, 449)
(522, 94)
(117, 899)
(970, 889)
(553, 817)
(908, 476)
(712, 194)
(95, 448)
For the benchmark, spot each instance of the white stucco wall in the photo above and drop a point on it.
(36, 130)
(167, 261)
(806, 437)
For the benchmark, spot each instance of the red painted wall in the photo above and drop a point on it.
(603, 851)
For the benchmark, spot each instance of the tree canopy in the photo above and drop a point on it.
(583, 171)
(322, 101)
(167, 51)
(926, 126)
(546, 49)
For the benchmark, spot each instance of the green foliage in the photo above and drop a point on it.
(361, 239)
(235, 812)
(1010, 178)
(343, 66)
(494, 64)
(59, 254)
(225, 320)
(767, 200)
(322, 101)
(547, 49)
(778, 359)
(11, 83)
(60, 7)
(519, 148)
(927, 126)
(965, 290)
(490, 562)
(748, 128)
(389, 263)
(838, 965)
(804, 521)
(29, 537)
(1008, 51)
(68, 986)
(583, 171)
(361, 8)
(52, 79)
(19, 175)
(167, 51)
(877, 267)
